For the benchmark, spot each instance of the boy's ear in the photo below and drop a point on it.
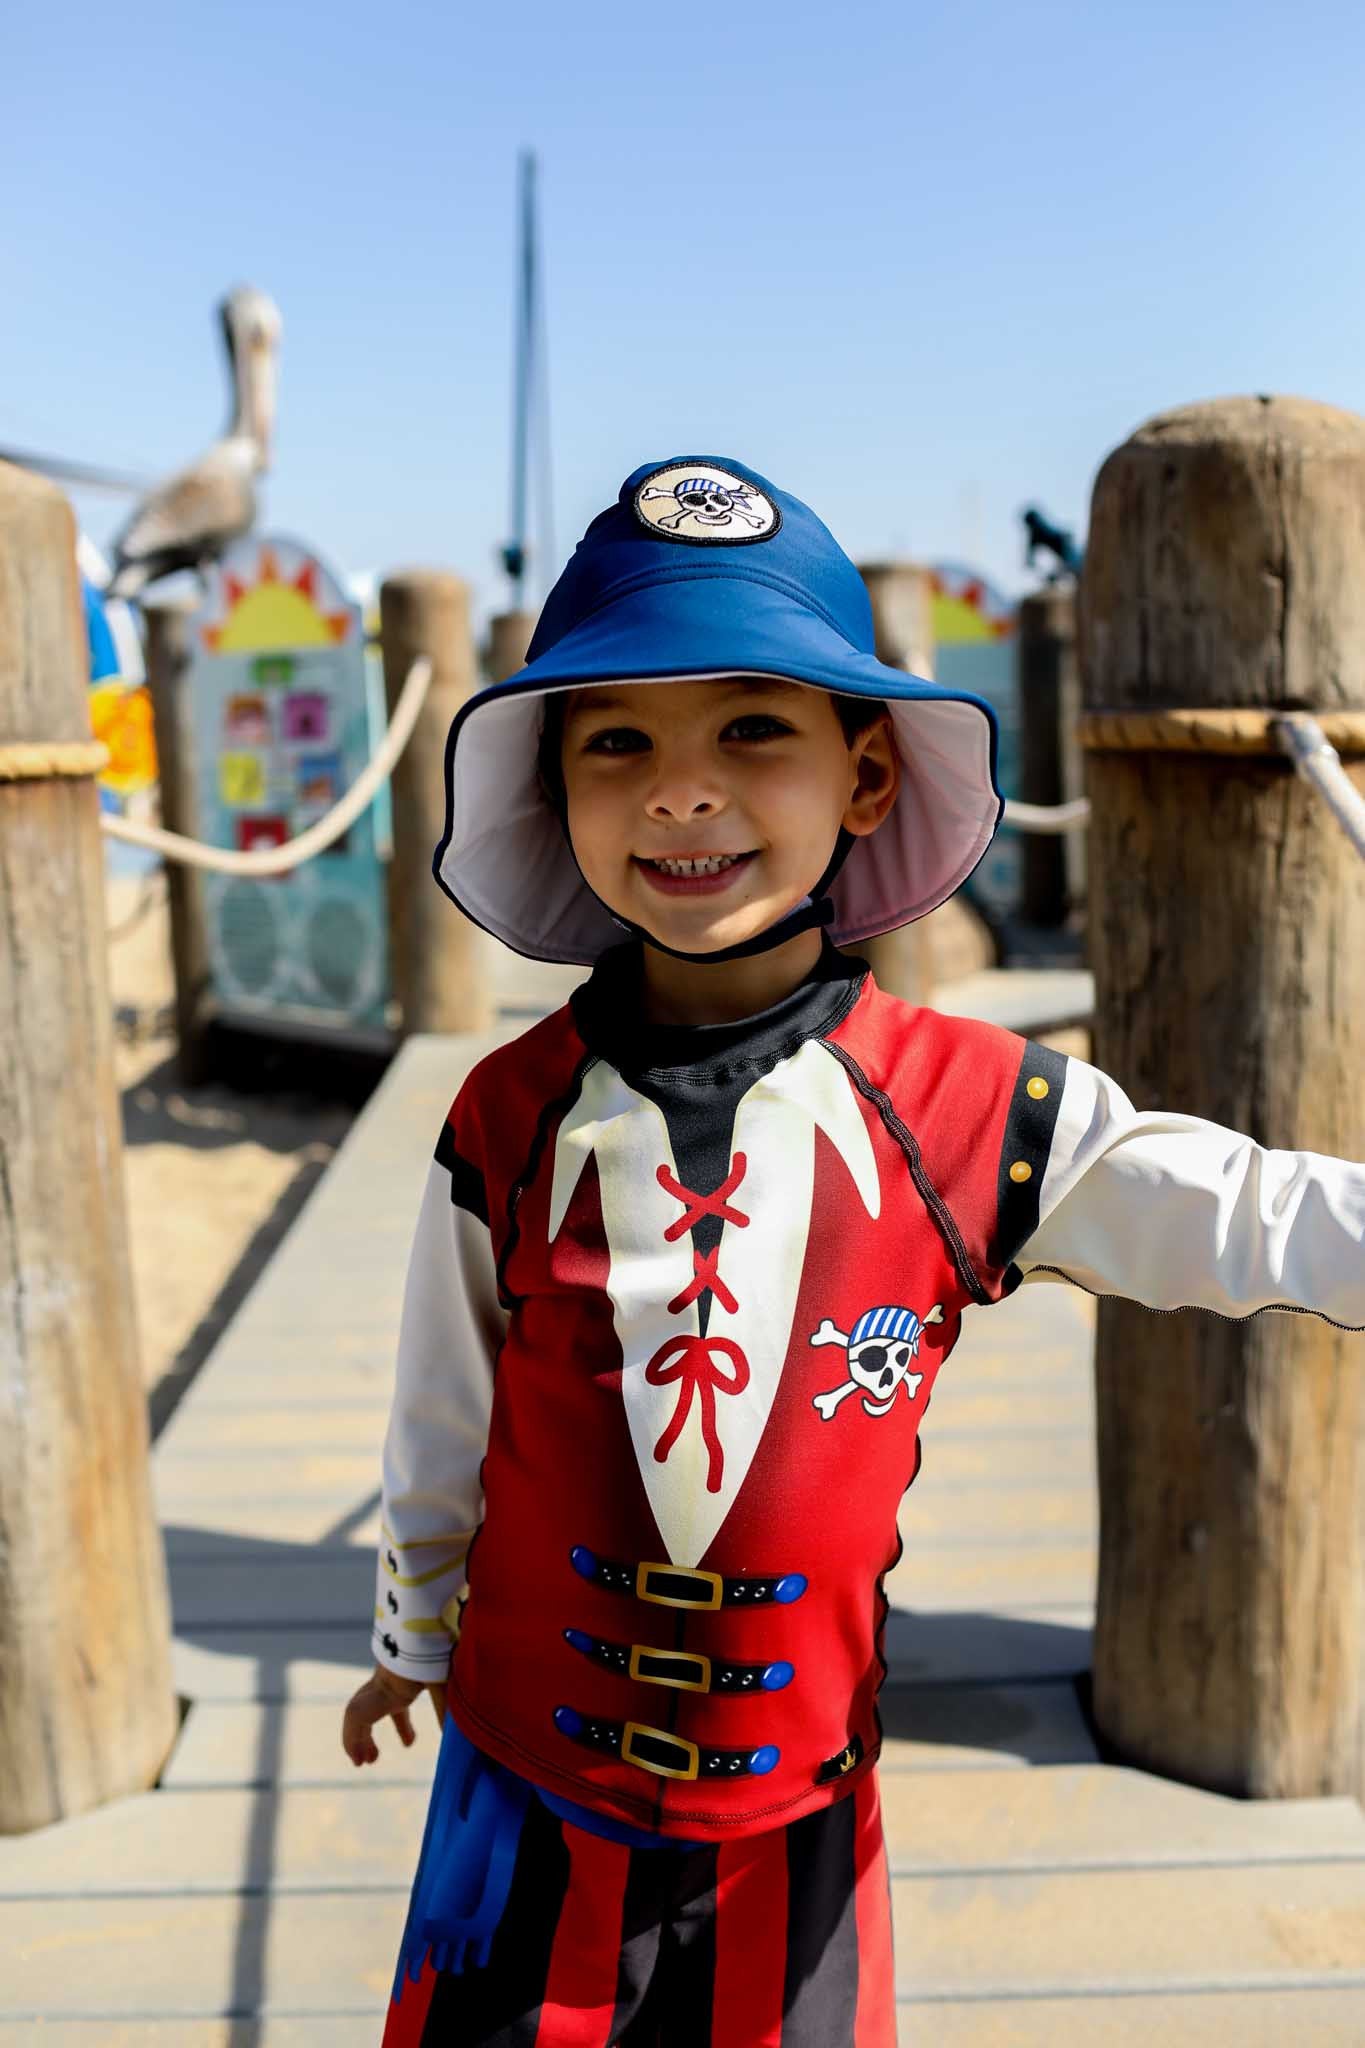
(877, 767)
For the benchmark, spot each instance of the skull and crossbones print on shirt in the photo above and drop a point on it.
(879, 1349)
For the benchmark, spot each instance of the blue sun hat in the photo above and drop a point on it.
(703, 568)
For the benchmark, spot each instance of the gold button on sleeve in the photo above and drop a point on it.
(1021, 1171)
(1037, 1088)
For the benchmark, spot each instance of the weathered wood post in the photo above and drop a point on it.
(902, 614)
(168, 654)
(509, 636)
(1225, 569)
(1050, 770)
(440, 960)
(87, 1708)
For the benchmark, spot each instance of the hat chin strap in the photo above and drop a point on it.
(817, 910)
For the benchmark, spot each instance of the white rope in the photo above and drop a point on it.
(278, 860)
(1047, 817)
(1318, 761)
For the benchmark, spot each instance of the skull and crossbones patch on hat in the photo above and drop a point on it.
(697, 502)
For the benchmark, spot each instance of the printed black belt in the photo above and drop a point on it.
(673, 1585)
(687, 1670)
(661, 1754)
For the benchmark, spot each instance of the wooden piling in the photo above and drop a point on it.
(509, 636)
(902, 614)
(169, 652)
(1225, 568)
(1052, 864)
(87, 1709)
(440, 961)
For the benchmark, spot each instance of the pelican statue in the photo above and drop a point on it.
(189, 519)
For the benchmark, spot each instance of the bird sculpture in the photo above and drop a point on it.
(1057, 540)
(189, 519)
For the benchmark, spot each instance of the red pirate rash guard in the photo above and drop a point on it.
(675, 1311)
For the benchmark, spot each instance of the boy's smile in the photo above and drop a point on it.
(706, 810)
(695, 874)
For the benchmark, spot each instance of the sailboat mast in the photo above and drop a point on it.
(514, 554)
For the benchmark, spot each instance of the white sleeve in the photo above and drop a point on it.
(1174, 1212)
(452, 1325)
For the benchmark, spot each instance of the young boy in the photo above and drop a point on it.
(691, 1255)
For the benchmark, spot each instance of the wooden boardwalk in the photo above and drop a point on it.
(254, 1899)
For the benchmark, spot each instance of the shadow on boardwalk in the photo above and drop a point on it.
(238, 1563)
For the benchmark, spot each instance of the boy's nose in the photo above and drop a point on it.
(678, 805)
(684, 790)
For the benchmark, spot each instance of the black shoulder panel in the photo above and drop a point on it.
(467, 1190)
(1027, 1146)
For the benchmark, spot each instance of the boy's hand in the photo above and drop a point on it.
(384, 1695)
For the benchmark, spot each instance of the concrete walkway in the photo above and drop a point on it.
(255, 1898)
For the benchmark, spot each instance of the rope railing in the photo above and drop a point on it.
(280, 860)
(1308, 741)
(1051, 818)
(1319, 763)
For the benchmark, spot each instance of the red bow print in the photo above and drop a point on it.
(693, 1361)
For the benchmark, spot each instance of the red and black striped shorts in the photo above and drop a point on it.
(782, 1940)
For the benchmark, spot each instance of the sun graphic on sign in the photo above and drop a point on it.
(274, 612)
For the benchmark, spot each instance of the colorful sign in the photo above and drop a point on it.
(974, 649)
(286, 716)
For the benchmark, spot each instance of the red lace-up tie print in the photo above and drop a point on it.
(702, 1366)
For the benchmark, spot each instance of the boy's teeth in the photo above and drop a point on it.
(710, 865)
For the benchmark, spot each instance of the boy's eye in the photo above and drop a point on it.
(756, 725)
(617, 739)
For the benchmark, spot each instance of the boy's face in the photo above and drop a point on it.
(705, 811)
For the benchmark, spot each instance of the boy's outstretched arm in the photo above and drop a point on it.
(452, 1325)
(1175, 1212)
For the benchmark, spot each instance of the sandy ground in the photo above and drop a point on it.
(215, 1175)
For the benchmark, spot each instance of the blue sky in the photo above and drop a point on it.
(919, 264)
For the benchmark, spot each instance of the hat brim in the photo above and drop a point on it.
(503, 858)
